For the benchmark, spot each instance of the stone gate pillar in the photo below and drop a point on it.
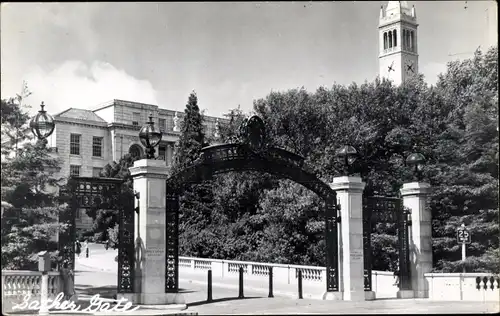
(149, 286)
(350, 196)
(415, 196)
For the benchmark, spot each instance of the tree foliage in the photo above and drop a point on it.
(454, 124)
(30, 225)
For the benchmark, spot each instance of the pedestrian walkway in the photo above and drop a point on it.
(105, 262)
(102, 279)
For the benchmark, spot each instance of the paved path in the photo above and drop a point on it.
(97, 274)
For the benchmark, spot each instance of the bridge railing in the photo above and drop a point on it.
(463, 286)
(442, 286)
(284, 275)
(16, 284)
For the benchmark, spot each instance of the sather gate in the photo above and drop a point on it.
(248, 153)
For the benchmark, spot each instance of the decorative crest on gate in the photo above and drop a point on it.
(253, 133)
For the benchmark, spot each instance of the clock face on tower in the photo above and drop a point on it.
(391, 68)
(409, 68)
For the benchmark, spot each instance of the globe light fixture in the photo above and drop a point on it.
(150, 137)
(348, 155)
(417, 160)
(42, 124)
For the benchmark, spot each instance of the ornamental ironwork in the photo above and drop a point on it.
(253, 133)
(100, 193)
(248, 152)
(386, 210)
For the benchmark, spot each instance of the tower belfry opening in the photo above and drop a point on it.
(398, 49)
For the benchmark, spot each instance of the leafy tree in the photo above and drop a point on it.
(466, 186)
(29, 186)
(15, 119)
(453, 124)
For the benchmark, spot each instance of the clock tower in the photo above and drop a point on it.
(398, 50)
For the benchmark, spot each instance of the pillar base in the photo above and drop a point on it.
(405, 294)
(333, 296)
(370, 295)
(354, 296)
(421, 294)
(155, 299)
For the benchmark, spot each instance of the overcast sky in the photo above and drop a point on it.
(82, 54)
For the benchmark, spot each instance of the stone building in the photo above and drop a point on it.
(87, 140)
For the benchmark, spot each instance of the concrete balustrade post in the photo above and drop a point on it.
(415, 196)
(349, 191)
(44, 267)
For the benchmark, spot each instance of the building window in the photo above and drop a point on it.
(74, 170)
(390, 39)
(412, 41)
(96, 146)
(162, 153)
(385, 40)
(170, 123)
(96, 172)
(136, 117)
(74, 144)
(395, 35)
(162, 124)
(135, 151)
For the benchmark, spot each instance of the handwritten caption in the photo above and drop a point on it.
(97, 304)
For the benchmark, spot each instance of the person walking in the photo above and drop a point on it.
(78, 248)
(397, 274)
(86, 246)
(107, 244)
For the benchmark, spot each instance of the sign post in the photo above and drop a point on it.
(463, 237)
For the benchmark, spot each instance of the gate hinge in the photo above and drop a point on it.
(339, 219)
(137, 195)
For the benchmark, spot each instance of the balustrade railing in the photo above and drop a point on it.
(463, 286)
(202, 264)
(234, 267)
(16, 284)
(312, 274)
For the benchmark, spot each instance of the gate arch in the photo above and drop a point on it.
(248, 153)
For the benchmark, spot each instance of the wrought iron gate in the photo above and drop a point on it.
(247, 152)
(378, 209)
(100, 193)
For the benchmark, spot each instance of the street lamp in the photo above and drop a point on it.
(418, 161)
(348, 155)
(150, 137)
(42, 124)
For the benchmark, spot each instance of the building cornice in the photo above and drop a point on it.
(402, 52)
(87, 123)
(118, 126)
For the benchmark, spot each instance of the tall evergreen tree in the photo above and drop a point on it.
(196, 204)
(192, 138)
